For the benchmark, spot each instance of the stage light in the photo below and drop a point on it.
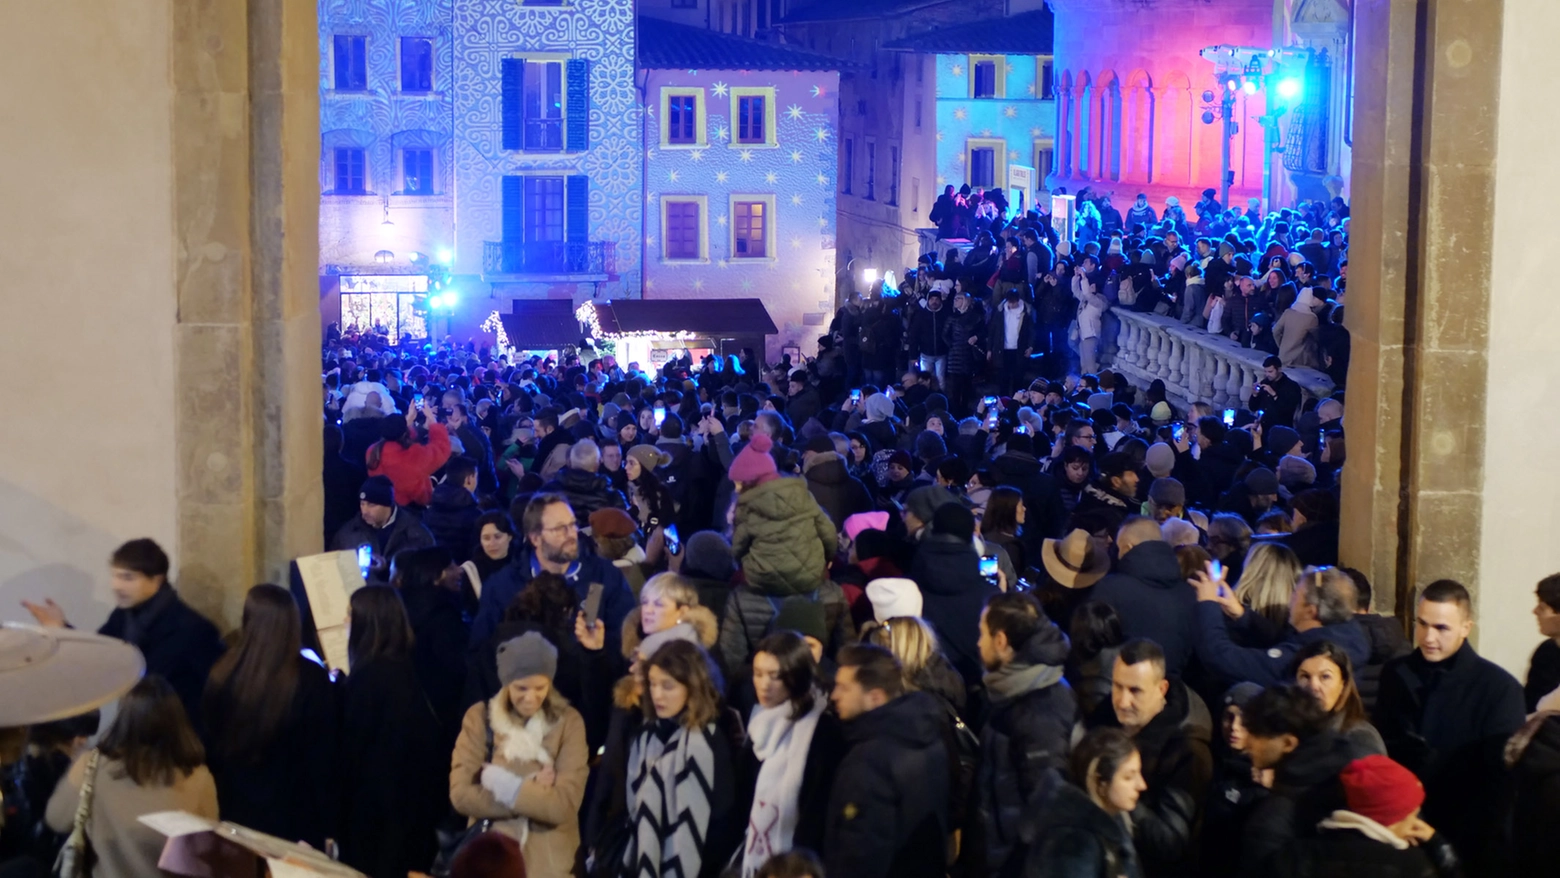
(1232, 83)
(1250, 86)
(1290, 87)
(435, 301)
(450, 299)
(414, 256)
(870, 276)
(444, 255)
(1207, 117)
(1207, 97)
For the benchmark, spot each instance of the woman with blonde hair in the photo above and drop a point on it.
(1267, 583)
(922, 663)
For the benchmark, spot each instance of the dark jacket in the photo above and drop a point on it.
(839, 493)
(395, 771)
(1316, 545)
(824, 752)
(441, 639)
(342, 480)
(1231, 663)
(586, 492)
(287, 788)
(1536, 771)
(477, 447)
(963, 357)
(452, 519)
(1045, 515)
(1027, 734)
(1071, 837)
(1448, 722)
(1347, 853)
(616, 598)
(179, 644)
(1543, 673)
(953, 594)
(927, 335)
(801, 407)
(1386, 642)
(749, 616)
(1097, 497)
(1153, 601)
(1218, 465)
(405, 531)
(888, 811)
(1232, 795)
(1305, 790)
(996, 330)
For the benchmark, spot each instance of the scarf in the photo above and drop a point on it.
(516, 743)
(1365, 826)
(1015, 679)
(140, 618)
(781, 744)
(671, 777)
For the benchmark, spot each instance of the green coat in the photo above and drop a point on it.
(782, 538)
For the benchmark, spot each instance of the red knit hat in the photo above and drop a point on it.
(754, 464)
(1383, 790)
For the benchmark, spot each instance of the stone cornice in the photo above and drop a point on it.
(1095, 7)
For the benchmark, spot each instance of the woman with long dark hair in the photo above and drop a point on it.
(1083, 830)
(271, 719)
(1002, 521)
(797, 744)
(1325, 670)
(495, 539)
(410, 464)
(395, 767)
(678, 826)
(151, 760)
(430, 591)
(649, 501)
(1096, 636)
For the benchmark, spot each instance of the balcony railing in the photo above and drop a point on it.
(544, 257)
(1196, 366)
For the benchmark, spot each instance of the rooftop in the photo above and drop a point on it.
(667, 45)
(695, 316)
(1028, 33)
(853, 10)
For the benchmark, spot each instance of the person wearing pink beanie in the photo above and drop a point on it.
(754, 465)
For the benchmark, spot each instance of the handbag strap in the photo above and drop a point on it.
(84, 806)
(473, 576)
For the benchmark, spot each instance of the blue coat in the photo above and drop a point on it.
(616, 598)
(1232, 663)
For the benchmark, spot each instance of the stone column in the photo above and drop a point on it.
(165, 232)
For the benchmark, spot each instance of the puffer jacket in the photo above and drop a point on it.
(1071, 837)
(782, 538)
(546, 818)
(750, 615)
(1147, 591)
(963, 356)
(411, 467)
(1027, 734)
(586, 492)
(839, 493)
(1305, 790)
(452, 519)
(953, 594)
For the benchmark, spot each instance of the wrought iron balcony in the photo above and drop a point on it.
(544, 257)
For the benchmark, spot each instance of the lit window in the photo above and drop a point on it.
(417, 171)
(748, 228)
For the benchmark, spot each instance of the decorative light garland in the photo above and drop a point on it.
(495, 325)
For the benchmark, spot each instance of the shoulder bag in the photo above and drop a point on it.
(74, 860)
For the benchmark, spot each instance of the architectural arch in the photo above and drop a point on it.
(1065, 120)
(1084, 144)
(1138, 128)
(1108, 91)
(1174, 140)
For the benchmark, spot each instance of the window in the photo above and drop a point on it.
(871, 171)
(983, 171)
(1045, 161)
(351, 63)
(416, 64)
(988, 75)
(543, 106)
(918, 112)
(750, 119)
(682, 228)
(893, 175)
(682, 118)
(417, 171)
(543, 208)
(749, 227)
(685, 4)
(915, 194)
(920, 68)
(351, 178)
(753, 118)
(1047, 77)
(848, 173)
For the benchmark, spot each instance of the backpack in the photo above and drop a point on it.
(1126, 293)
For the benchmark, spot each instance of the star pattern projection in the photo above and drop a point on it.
(1035, 131)
(1010, 111)
(719, 89)
(771, 178)
(794, 111)
(721, 176)
(746, 155)
(796, 200)
(961, 114)
(696, 155)
(1030, 88)
(1012, 155)
(796, 156)
(957, 70)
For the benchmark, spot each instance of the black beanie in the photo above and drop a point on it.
(954, 520)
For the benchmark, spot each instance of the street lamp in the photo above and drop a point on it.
(869, 277)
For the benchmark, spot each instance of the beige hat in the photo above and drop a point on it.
(52, 673)
(893, 597)
(1074, 561)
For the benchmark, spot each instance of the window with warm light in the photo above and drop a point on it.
(752, 226)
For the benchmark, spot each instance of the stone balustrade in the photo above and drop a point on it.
(1196, 366)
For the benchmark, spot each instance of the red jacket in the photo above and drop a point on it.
(411, 469)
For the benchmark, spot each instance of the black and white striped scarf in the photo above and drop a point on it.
(671, 776)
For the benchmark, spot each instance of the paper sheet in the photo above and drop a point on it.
(176, 823)
(330, 579)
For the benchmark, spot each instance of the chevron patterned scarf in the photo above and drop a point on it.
(671, 775)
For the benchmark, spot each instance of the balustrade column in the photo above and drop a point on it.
(1177, 351)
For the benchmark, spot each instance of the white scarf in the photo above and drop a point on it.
(1365, 826)
(515, 743)
(781, 745)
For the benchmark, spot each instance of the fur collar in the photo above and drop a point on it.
(515, 742)
(703, 621)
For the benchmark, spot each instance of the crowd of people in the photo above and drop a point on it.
(949, 599)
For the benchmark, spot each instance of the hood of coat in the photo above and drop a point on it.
(1185, 716)
(1154, 564)
(1317, 759)
(580, 481)
(779, 499)
(1065, 806)
(915, 719)
(826, 468)
(449, 495)
(945, 565)
(703, 621)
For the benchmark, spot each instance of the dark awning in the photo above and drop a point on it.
(541, 324)
(707, 317)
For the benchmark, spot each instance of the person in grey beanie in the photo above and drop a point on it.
(522, 759)
(706, 561)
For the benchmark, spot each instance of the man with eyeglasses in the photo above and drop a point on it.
(553, 546)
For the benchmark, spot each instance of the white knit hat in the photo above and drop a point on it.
(894, 597)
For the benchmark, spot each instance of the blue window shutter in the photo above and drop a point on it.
(512, 94)
(576, 207)
(514, 209)
(577, 104)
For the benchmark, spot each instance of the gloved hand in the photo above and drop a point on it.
(502, 783)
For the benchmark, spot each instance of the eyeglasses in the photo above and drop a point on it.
(1088, 436)
(571, 527)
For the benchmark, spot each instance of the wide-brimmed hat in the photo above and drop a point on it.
(53, 673)
(1074, 561)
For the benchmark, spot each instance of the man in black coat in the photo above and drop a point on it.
(1446, 713)
(452, 512)
(475, 446)
(953, 593)
(1172, 729)
(1383, 633)
(928, 341)
(382, 526)
(1030, 725)
(888, 811)
(179, 644)
(586, 489)
(1045, 516)
(839, 493)
(1149, 595)
(1277, 396)
(1288, 734)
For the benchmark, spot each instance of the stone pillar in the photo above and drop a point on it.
(171, 246)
